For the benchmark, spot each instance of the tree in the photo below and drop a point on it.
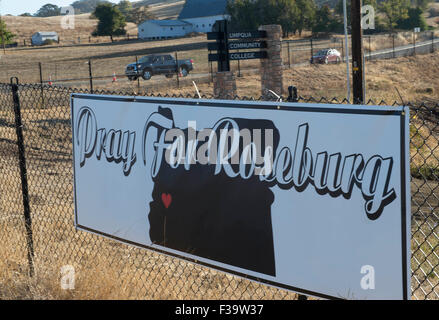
(325, 21)
(243, 14)
(292, 15)
(48, 10)
(139, 14)
(307, 9)
(86, 6)
(125, 7)
(111, 20)
(415, 19)
(283, 12)
(394, 10)
(26, 14)
(5, 35)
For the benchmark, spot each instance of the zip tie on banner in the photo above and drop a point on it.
(196, 88)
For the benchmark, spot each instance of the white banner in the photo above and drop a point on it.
(309, 197)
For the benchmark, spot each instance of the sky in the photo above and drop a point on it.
(17, 7)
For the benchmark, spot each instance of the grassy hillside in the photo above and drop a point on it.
(24, 27)
(165, 9)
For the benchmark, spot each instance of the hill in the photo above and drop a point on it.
(163, 9)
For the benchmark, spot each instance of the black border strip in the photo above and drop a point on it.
(73, 157)
(403, 208)
(400, 113)
(257, 105)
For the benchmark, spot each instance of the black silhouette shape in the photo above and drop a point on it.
(224, 219)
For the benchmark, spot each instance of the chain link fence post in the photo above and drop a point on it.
(414, 43)
(41, 82)
(289, 55)
(177, 70)
(23, 175)
(138, 75)
(90, 74)
(393, 45)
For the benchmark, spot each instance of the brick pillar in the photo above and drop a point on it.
(272, 67)
(224, 85)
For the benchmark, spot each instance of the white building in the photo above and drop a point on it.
(196, 16)
(39, 38)
(164, 29)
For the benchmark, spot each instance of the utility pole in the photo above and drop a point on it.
(357, 53)
(346, 50)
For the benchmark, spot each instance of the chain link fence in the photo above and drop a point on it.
(37, 241)
(108, 69)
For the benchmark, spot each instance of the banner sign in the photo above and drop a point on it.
(312, 198)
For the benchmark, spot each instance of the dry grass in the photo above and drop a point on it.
(415, 77)
(71, 62)
(25, 27)
(432, 15)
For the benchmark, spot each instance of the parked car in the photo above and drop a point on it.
(152, 65)
(327, 56)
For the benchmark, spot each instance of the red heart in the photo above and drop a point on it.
(167, 199)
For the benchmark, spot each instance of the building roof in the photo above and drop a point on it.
(203, 8)
(168, 23)
(46, 33)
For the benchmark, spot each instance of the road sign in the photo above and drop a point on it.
(417, 30)
(239, 56)
(222, 46)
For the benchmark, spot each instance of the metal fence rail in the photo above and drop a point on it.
(42, 237)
